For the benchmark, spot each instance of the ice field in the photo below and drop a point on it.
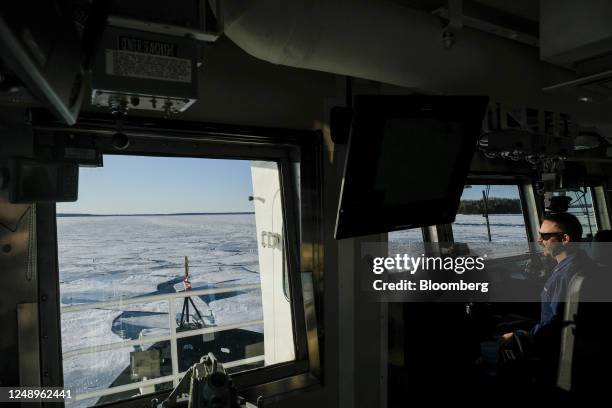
(113, 257)
(508, 235)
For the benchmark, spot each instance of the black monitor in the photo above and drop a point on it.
(407, 161)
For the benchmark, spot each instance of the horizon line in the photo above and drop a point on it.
(151, 214)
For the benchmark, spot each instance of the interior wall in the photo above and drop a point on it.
(18, 285)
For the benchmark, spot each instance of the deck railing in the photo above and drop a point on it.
(173, 336)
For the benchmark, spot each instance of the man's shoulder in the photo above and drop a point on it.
(585, 263)
(582, 265)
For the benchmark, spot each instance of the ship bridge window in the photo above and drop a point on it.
(409, 241)
(581, 205)
(491, 221)
(165, 259)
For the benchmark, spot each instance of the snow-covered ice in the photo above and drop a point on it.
(114, 257)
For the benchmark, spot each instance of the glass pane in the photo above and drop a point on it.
(163, 253)
(408, 242)
(491, 221)
(581, 205)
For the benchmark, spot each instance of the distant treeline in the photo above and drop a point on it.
(494, 205)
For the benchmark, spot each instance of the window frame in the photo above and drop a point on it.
(590, 191)
(601, 206)
(298, 154)
(520, 182)
(600, 201)
(433, 233)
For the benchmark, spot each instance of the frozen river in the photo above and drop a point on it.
(112, 257)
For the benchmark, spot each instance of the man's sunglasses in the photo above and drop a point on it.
(545, 236)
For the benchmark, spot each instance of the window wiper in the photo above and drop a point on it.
(485, 197)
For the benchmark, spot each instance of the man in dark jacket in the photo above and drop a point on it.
(560, 234)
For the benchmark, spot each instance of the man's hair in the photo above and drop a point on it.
(568, 223)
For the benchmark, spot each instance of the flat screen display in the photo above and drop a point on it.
(407, 161)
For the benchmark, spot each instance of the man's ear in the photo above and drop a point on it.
(566, 238)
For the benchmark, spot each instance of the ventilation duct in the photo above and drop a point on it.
(386, 42)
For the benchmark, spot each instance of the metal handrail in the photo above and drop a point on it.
(172, 337)
(153, 298)
(122, 388)
(155, 339)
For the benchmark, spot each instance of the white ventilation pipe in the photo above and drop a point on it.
(389, 43)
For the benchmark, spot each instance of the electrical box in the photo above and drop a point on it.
(144, 70)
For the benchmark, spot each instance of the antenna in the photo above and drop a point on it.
(186, 269)
(485, 197)
(187, 300)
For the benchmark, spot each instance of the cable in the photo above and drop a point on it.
(577, 198)
(583, 206)
(18, 221)
(485, 199)
(586, 212)
(573, 201)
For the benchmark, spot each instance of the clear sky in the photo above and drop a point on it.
(140, 185)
